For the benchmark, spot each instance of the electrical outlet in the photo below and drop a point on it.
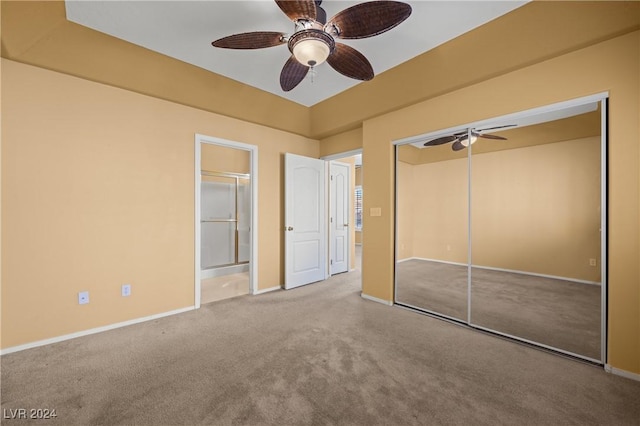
(592, 262)
(83, 298)
(126, 290)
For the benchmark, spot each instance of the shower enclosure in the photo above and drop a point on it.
(225, 223)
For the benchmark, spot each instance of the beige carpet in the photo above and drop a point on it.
(318, 354)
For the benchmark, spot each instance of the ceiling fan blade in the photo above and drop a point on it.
(349, 62)
(292, 74)
(480, 135)
(298, 9)
(253, 40)
(442, 140)
(321, 14)
(457, 146)
(368, 19)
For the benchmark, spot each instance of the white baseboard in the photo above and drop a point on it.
(375, 299)
(92, 331)
(436, 260)
(513, 271)
(622, 373)
(267, 290)
(555, 277)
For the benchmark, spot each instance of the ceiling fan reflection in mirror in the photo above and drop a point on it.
(314, 39)
(461, 139)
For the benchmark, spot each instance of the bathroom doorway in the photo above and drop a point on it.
(225, 225)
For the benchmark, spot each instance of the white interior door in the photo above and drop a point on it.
(305, 221)
(339, 217)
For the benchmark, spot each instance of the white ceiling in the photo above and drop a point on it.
(185, 29)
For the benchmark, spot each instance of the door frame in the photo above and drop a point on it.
(336, 157)
(253, 170)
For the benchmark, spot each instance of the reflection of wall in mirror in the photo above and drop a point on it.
(535, 209)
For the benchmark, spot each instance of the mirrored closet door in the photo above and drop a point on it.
(500, 225)
(432, 233)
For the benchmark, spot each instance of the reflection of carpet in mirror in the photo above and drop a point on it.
(557, 313)
(224, 287)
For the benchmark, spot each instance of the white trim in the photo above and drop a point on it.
(439, 261)
(342, 155)
(604, 239)
(224, 270)
(267, 290)
(253, 170)
(93, 331)
(555, 277)
(375, 299)
(622, 373)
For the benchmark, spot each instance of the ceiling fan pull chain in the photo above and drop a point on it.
(312, 74)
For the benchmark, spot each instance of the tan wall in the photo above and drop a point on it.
(537, 209)
(98, 190)
(523, 220)
(224, 159)
(342, 142)
(407, 204)
(440, 210)
(38, 33)
(612, 66)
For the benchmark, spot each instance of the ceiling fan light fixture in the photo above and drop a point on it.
(311, 47)
(465, 141)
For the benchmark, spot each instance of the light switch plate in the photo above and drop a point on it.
(126, 290)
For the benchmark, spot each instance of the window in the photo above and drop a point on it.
(358, 207)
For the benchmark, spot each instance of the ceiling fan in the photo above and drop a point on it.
(461, 140)
(314, 38)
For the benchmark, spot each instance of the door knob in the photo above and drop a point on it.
(290, 228)
(346, 224)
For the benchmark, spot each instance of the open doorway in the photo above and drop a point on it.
(354, 218)
(319, 218)
(225, 219)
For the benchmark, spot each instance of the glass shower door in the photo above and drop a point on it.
(218, 216)
(244, 219)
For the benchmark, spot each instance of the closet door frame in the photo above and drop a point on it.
(600, 97)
